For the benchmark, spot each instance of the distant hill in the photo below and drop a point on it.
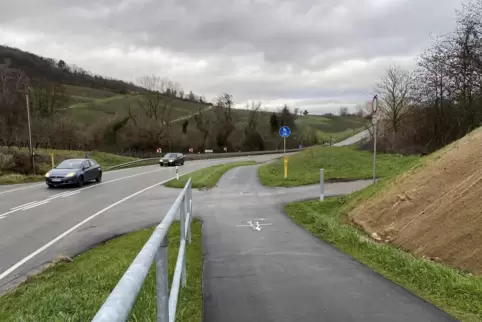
(74, 109)
(40, 68)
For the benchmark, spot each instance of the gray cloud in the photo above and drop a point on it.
(299, 51)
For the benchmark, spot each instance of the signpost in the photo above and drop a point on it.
(374, 124)
(159, 150)
(191, 150)
(284, 132)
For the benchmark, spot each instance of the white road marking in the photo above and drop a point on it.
(56, 239)
(256, 225)
(36, 205)
(23, 188)
(70, 193)
(24, 205)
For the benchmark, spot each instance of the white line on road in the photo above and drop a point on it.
(24, 205)
(23, 188)
(56, 239)
(70, 193)
(36, 205)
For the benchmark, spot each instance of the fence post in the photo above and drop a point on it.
(182, 219)
(162, 281)
(322, 184)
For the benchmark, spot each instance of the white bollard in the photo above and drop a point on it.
(177, 172)
(322, 184)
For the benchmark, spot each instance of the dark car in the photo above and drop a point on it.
(74, 172)
(172, 159)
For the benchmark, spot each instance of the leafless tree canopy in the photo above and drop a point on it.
(441, 100)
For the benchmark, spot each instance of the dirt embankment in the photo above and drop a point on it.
(434, 210)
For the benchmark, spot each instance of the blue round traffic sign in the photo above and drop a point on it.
(284, 131)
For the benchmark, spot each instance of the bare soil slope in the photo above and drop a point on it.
(434, 210)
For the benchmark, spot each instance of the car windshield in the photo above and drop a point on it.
(70, 164)
(170, 156)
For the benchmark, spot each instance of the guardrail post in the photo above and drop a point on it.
(182, 215)
(190, 212)
(322, 184)
(162, 281)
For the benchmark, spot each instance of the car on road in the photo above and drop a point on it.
(74, 172)
(172, 159)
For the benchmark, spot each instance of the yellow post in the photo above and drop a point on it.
(286, 166)
(53, 163)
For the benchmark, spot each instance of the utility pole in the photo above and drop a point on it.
(32, 158)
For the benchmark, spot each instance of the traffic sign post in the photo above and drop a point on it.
(374, 124)
(284, 132)
(159, 150)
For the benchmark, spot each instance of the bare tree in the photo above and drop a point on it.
(153, 116)
(13, 86)
(395, 93)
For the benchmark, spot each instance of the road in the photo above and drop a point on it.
(38, 224)
(260, 266)
(278, 271)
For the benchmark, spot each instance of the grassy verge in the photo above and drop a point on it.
(207, 177)
(74, 291)
(340, 164)
(456, 292)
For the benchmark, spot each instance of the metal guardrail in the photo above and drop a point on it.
(205, 156)
(120, 302)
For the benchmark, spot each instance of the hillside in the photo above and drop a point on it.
(434, 210)
(73, 109)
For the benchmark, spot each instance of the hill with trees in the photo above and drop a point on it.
(73, 109)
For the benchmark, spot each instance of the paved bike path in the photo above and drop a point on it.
(273, 270)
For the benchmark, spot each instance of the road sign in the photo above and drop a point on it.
(284, 131)
(159, 150)
(375, 104)
(191, 150)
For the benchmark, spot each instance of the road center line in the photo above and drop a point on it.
(36, 205)
(24, 205)
(56, 239)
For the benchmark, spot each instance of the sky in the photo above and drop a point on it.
(317, 55)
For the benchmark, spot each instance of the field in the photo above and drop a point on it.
(336, 127)
(339, 163)
(88, 105)
(74, 289)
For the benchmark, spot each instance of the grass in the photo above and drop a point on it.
(454, 291)
(340, 164)
(74, 291)
(118, 105)
(43, 159)
(337, 128)
(208, 177)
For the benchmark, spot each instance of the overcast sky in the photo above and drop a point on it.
(312, 54)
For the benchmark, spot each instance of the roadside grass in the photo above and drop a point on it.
(75, 291)
(44, 163)
(340, 164)
(456, 292)
(207, 177)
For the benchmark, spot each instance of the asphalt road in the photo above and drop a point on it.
(38, 224)
(260, 266)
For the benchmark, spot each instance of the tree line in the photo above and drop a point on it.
(440, 100)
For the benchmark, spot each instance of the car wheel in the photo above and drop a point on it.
(80, 181)
(182, 163)
(99, 177)
(50, 186)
